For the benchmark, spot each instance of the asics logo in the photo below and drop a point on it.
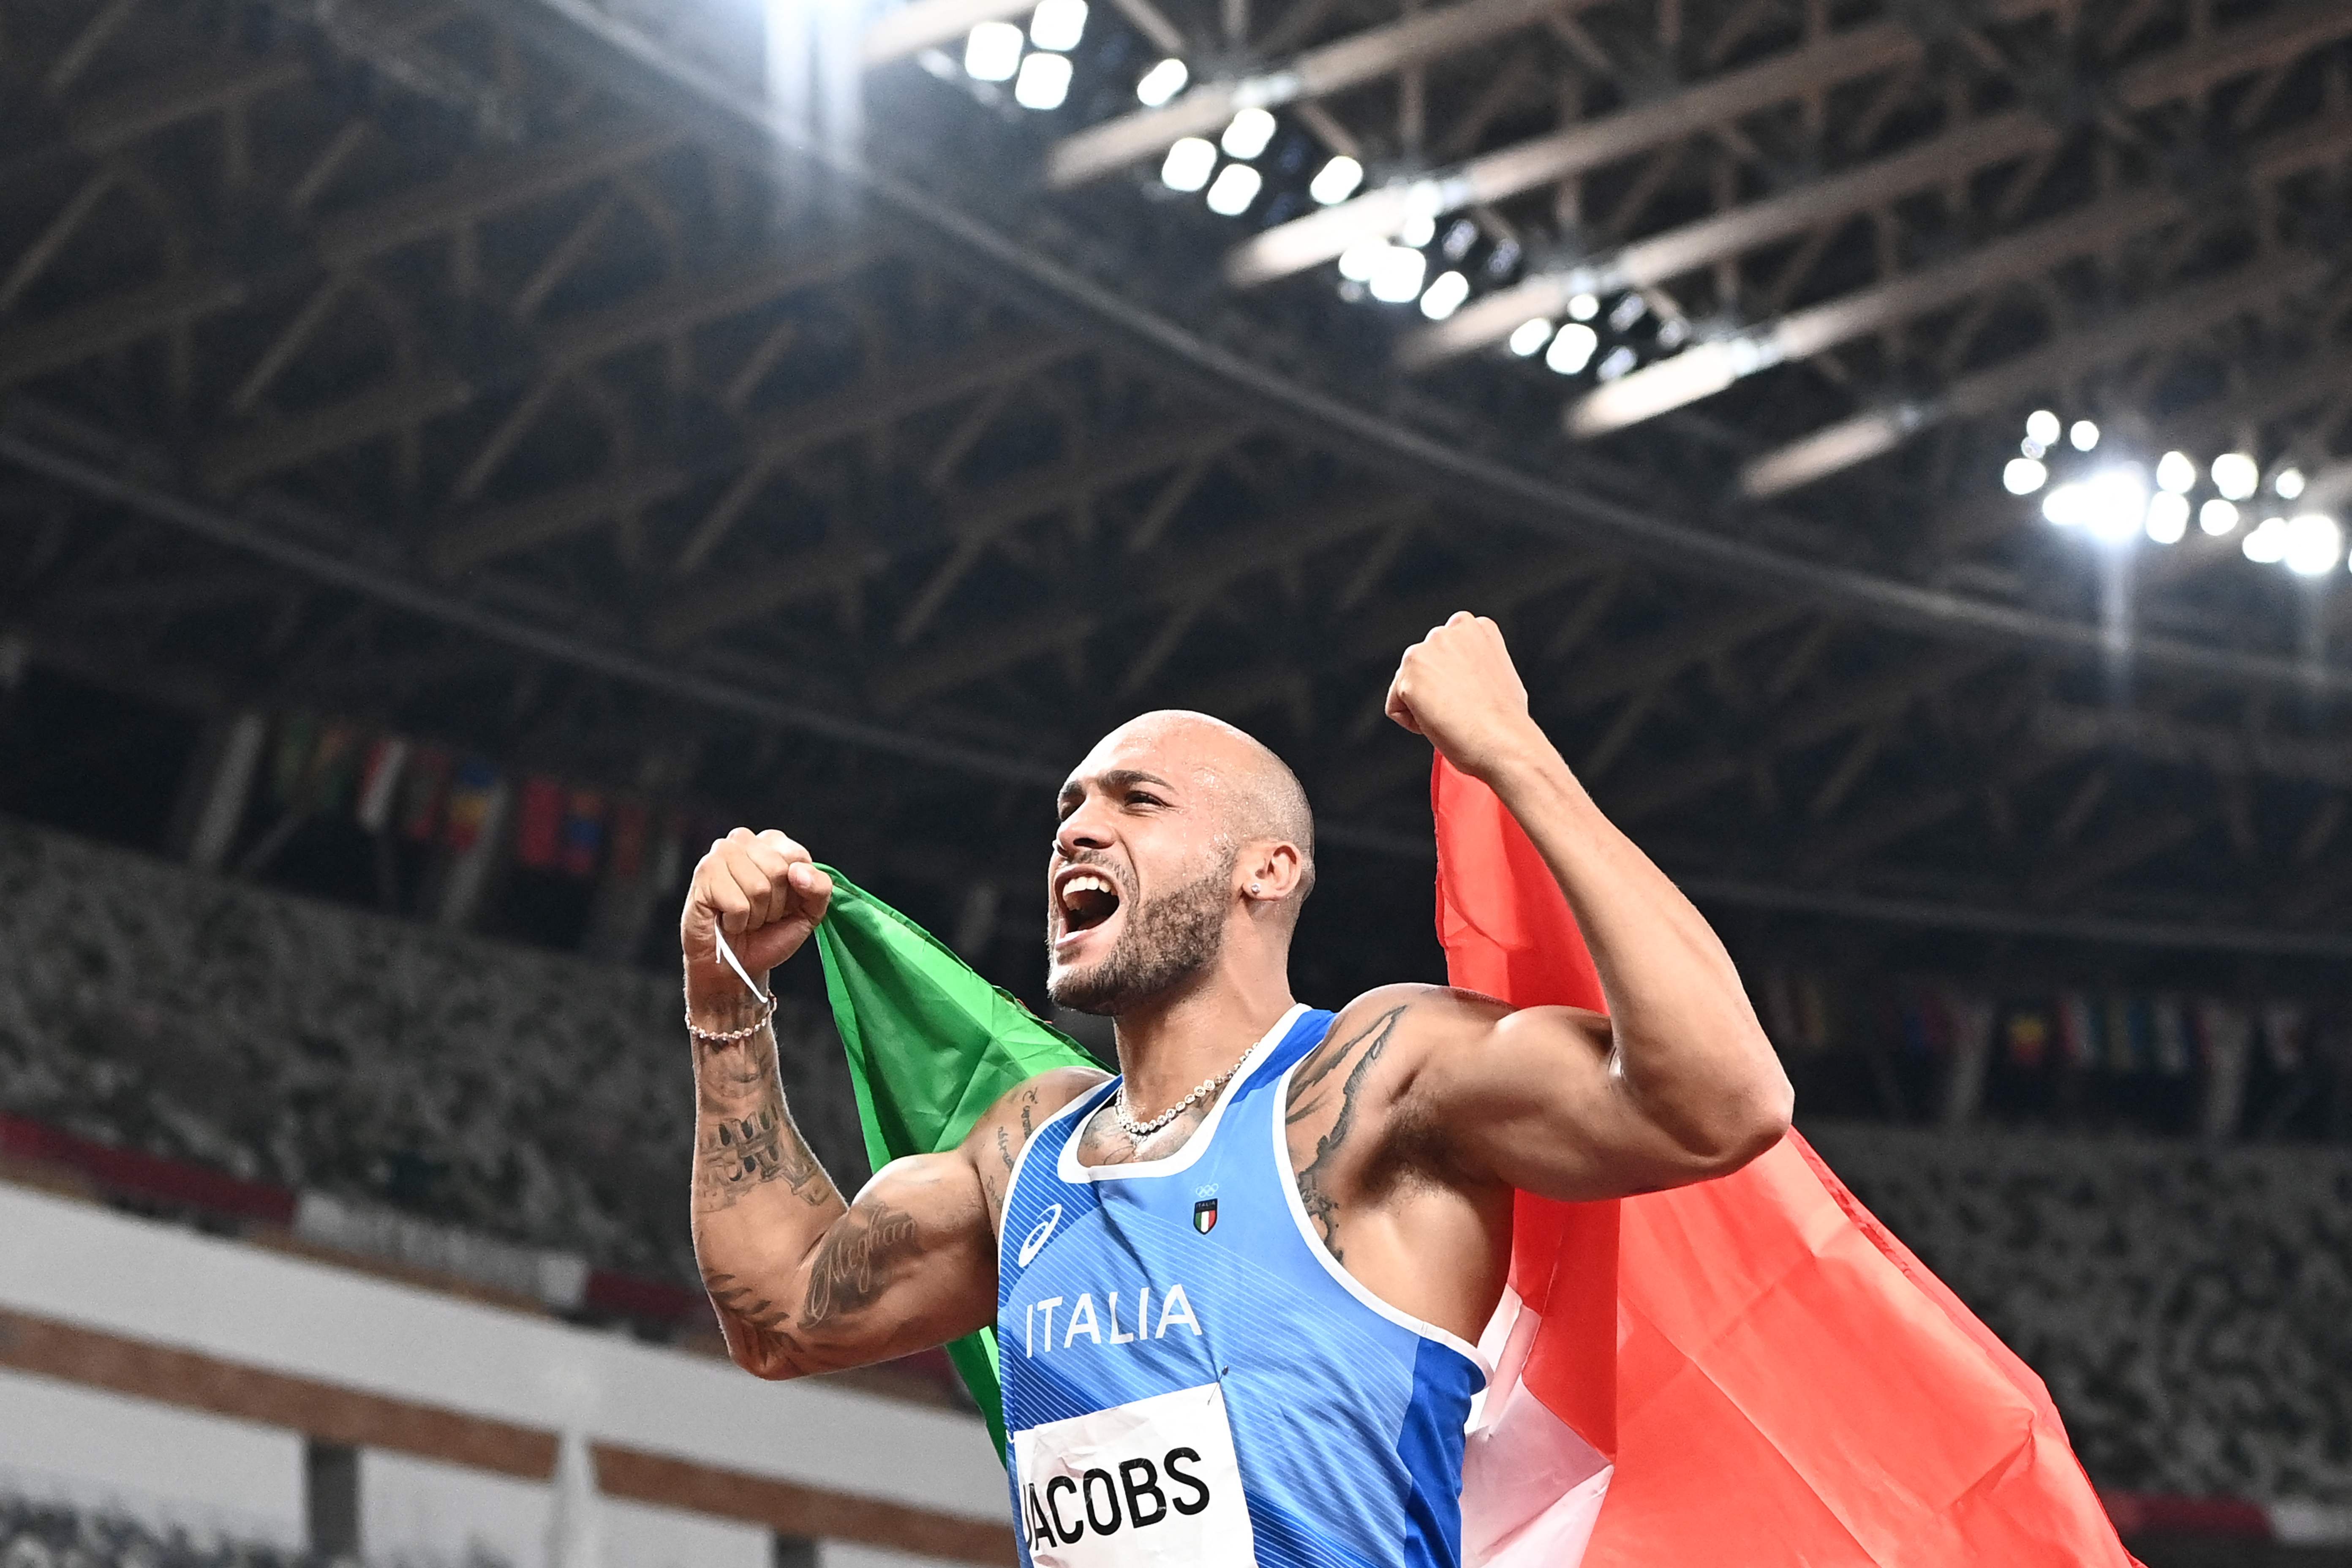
(1034, 1242)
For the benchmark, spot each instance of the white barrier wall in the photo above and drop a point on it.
(119, 1275)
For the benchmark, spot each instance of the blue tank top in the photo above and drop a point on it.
(1197, 1283)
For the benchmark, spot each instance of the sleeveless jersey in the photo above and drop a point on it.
(1192, 1381)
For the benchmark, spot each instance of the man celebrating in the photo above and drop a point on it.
(1237, 1288)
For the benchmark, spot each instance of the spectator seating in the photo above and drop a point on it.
(2190, 1307)
(35, 1534)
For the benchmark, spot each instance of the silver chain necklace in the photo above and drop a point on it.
(1138, 1130)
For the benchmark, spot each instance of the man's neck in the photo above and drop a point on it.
(1169, 1048)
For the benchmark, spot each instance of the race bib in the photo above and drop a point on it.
(1149, 1485)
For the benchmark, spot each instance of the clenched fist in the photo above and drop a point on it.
(767, 895)
(1458, 687)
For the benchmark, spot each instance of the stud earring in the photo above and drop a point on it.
(1252, 887)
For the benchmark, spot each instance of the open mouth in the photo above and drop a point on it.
(1087, 899)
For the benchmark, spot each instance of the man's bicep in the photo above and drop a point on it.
(1531, 1098)
(910, 1265)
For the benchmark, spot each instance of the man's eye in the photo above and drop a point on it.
(1139, 797)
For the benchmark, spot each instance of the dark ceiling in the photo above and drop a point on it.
(522, 372)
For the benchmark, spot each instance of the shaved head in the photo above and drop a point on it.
(1258, 797)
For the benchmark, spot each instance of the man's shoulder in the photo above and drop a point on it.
(1410, 1016)
(1028, 1105)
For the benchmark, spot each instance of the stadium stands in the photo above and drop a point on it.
(47, 1534)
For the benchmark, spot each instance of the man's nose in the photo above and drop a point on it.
(1082, 829)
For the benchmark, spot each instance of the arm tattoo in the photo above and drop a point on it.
(855, 1263)
(763, 1317)
(746, 1138)
(1310, 1092)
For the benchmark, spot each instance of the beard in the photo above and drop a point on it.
(1166, 941)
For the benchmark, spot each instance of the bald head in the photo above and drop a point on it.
(1258, 797)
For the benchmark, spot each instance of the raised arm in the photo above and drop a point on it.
(1678, 1082)
(803, 1282)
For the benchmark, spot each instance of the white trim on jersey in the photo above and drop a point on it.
(1202, 1136)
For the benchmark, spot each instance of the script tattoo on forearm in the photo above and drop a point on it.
(855, 1265)
(1311, 1089)
(747, 1138)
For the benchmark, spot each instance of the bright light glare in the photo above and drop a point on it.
(1336, 181)
(2236, 476)
(2110, 505)
(1188, 164)
(1058, 24)
(2266, 545)
(1247, 137)
(2177, 473)
(992, 52)
(1355, 262)
(2289, 483)
(1530, 335)
(1572, 349)
(2033, 448)
(1584, 307)
(2023, 476)
(2042, 428)
(1161, 82)
(1234, 190)
(1444, 297)
(2066, 505)
(1616, 363)
(2216, 517)
(2167, 517)
(1043, 81)
(1397, 274)
(1418, 230)
(2313, 544)
(2083, 435)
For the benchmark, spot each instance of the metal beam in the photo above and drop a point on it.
(116, 321)
(1956, 153)
(1891, 821)
(2167, 320)
(1708, 368)
(1320, 237)
(397, 404)
(709, 607)
(927, 24)
(1367, 56)
(2135, 842)
(496, 532)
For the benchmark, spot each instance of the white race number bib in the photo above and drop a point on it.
(1154, 1484)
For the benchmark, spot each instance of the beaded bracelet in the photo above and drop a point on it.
(732, 1035)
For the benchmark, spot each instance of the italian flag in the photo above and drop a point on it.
(1750, 1367)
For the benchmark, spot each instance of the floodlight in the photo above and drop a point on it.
(1615, 363)
(2266, 545)
(2288, 484)
(1571, 350)
(992, 52)
(1247, 137)
(2314, 544)
(1418, 230)
(1163, 82)
(1043, 81)
(2167, 517)
(1530, 335)
(2116, 505)
(1355, 262)
(1058, 24)
(1336, 181)
(2236, 476)
(2042, 428)
(2083, 435)
(1234, 190)
(1189, 164)
(2177, 473)
(2023, 476)
(2217, 517)
(1444, 296)
(2066, 505)
(1397, 274)
(1584, 307)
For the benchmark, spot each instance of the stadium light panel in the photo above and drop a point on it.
(2042, 428)
(1530, 335)
(2023, 476)
(1444, 296)
(2236, 476)
(2217, 517)
(1163, 82)
(2083, 435)
(2314, 544)
(2289, 483)
(2177, 473)
(1043, 81)
(2167, 517)
(1189, 164)
(1397, 274)
(2116, 505)
(1234, 190)
(992, 52)
(1247, 137)
(2266, 545)
(1572, 349)
(1336, 181)
(1058, 24)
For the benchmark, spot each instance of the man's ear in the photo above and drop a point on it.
(1271, 870)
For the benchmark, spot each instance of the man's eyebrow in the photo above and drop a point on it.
(1124, 778)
